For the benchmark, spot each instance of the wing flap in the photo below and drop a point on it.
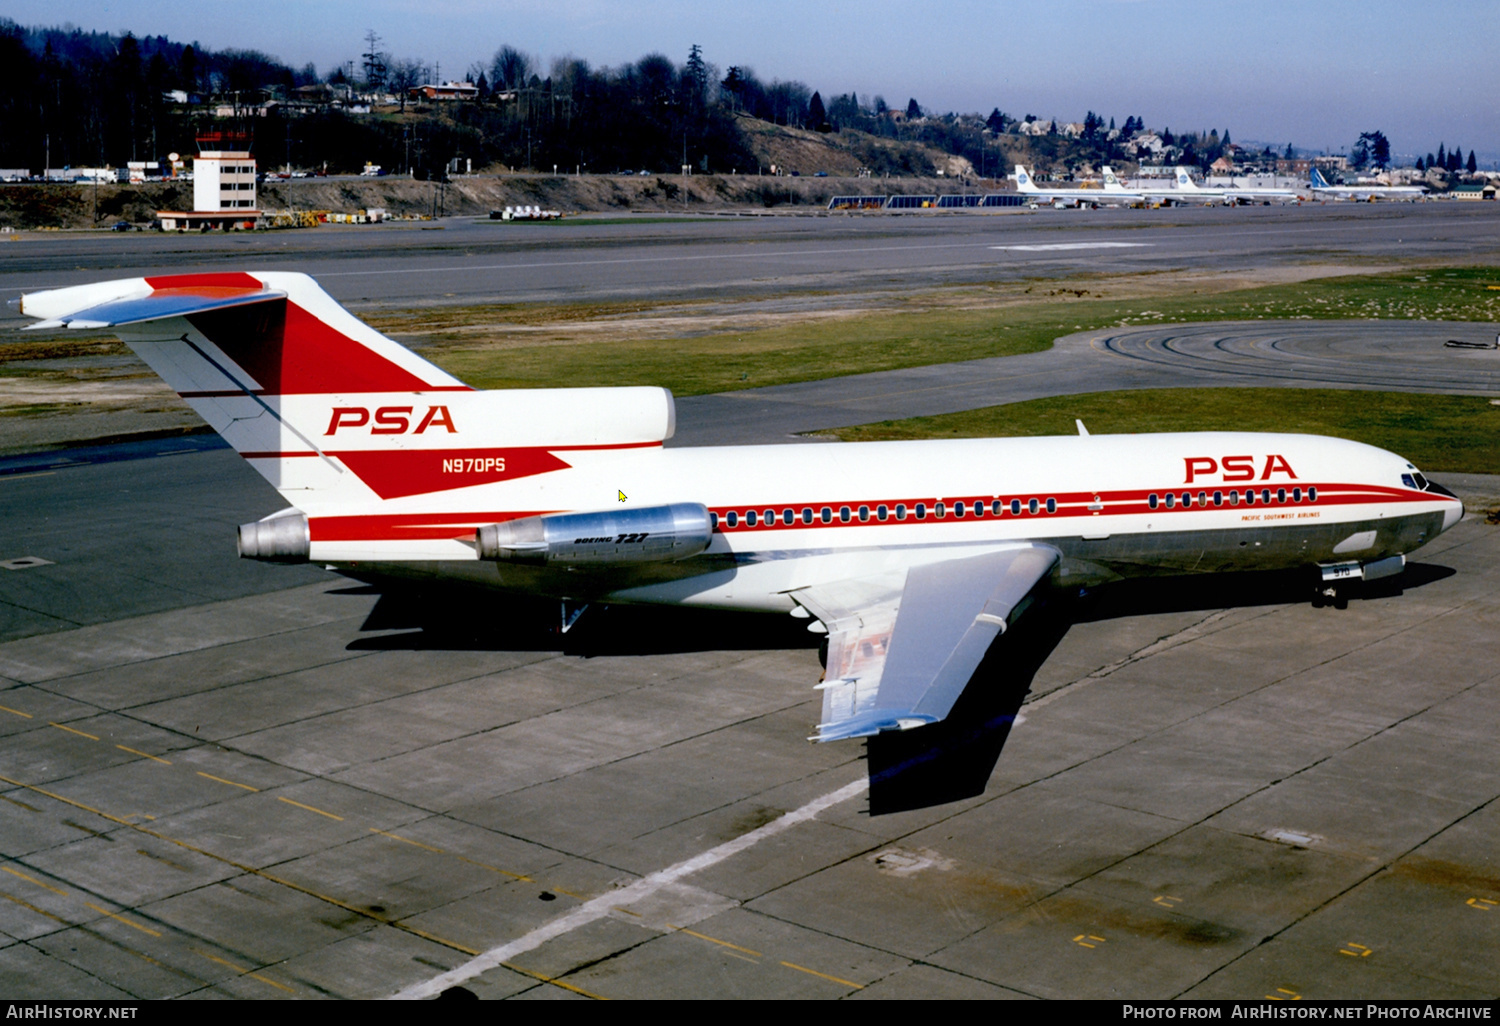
(897, 661)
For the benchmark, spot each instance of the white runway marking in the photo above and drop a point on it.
(601, 906)
(1075, 245)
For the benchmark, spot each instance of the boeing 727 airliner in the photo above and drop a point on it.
(912, 556)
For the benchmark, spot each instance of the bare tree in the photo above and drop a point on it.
(511, 69)
(403, 76)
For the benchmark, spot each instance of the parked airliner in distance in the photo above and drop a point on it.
(1321, 189)
(911, 556)
(1162, 196)
(1232, 195)
(1073, 197)
(1188, 191)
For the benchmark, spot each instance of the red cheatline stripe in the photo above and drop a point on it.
(410, 526)
(439, 526)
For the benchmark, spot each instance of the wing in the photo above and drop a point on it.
(902, 646)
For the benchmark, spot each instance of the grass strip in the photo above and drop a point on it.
(888, 341)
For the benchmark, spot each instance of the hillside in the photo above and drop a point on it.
(846, 152)
(81, 206)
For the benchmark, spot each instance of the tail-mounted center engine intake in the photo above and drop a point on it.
(648, 535)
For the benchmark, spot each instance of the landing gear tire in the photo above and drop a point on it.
(1329, 595)
(823, 653)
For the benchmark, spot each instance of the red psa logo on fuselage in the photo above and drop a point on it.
(390, 420)
(1236, 468)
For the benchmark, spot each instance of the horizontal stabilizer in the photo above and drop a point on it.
(159, 305)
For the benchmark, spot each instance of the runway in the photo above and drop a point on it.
(223, 778)
(461, 260)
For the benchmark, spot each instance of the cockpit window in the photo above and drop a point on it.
(1415, 480)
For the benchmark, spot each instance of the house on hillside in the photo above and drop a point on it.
(446, 91)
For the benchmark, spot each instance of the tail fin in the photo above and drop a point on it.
(1111, 183)
(1185, 181)
(331, 412)
(1318, 181)
(1023, 180)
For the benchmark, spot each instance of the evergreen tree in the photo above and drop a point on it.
(996, 121)
(1472, 165)
(817, 117)
(913, 112)
(695, 78)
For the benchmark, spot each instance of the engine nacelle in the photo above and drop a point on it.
(282, 538)
(651, 534)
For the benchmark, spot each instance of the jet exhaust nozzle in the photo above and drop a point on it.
(279, 539)
(651, 534)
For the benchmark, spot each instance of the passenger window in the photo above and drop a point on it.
(864, 513)
(750, 518)
(1051, 505)
(1031, 506)
(1171, 500)
(1187, 500)
(997, 507)
(880, 512)
(900, 511)
(713, 521)
(1015, 507)
(1281, 495)
(807, 514)
(826, 515)
(1202, 498)
(844, 514)
(921, 511)
(1296, 494)
(787, 516)
(1234, 498)
(1312, 495)
(1151, 500)
(938, 510)
(770, 518)
(1249, 497)
(731, 518)
(1218, 498)
(958, 509)
(1265, 496)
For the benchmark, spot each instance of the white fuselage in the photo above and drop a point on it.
(794, 516)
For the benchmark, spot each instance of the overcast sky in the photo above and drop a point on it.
(1312, 72)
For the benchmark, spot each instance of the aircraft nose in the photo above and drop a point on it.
(1453, 509)
(1453, 512)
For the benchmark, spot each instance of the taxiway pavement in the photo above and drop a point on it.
(219, 778)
